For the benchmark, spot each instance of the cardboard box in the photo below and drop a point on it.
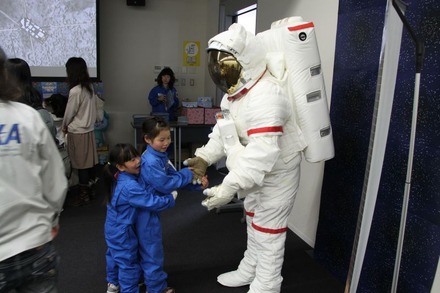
(205, 102)
(195, 115)
(210, 115)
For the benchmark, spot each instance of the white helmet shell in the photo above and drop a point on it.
(245, 47)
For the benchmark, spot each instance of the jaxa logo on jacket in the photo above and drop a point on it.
(9, 138)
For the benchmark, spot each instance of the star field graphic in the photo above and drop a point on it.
(358, 45)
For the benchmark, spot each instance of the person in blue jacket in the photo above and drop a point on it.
(124, 195)
(163, 97)
(159, 177)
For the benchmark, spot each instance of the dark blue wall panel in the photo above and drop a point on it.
(359, 38)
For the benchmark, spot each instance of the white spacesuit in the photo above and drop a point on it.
(262, 151)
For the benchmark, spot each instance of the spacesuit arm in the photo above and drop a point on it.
(253, 163)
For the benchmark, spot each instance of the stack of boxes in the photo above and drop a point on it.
(194, 115)
(201, 113)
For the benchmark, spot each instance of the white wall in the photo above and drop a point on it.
(304, 217)
(135, 39)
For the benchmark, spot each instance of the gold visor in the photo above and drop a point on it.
(224, 69)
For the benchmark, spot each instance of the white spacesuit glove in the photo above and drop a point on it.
(174, 194)
(217, 196)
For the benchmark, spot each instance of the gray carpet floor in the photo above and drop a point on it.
(199, 245)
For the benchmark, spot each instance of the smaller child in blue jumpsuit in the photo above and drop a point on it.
(125, 194)
(160, 177)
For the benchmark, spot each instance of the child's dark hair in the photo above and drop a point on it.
(20, 70)
(152, 126)
(58, 102)
(166, 71)
(118, 155)
(78, 74)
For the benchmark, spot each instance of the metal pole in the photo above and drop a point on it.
(420, 51)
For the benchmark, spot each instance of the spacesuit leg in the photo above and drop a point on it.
(245, 272)
(270, 260)
(270, 228)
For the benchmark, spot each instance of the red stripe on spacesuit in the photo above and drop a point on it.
(250, 214)
(268, 230)
(245, 90)
(265, 129)
(240, 94)
(300, 27)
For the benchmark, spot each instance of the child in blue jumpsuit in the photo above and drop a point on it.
(163, 97)
(159, 176)
(125, 193)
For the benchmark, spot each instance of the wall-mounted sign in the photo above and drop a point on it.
(191, 53)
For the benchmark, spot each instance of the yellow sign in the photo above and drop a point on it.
(191, 53)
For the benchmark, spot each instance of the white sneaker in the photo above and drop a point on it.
(112, 288)
(233, 279)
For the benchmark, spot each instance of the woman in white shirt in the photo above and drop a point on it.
(78, 126)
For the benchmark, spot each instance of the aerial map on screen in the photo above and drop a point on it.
(47, 33)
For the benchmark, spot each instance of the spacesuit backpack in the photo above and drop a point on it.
(295, 40)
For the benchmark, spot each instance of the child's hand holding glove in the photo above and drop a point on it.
(198, 166)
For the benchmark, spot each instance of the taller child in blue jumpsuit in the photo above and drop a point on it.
(159, 176)
(125, 194)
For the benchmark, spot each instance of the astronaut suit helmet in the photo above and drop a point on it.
(236, 60)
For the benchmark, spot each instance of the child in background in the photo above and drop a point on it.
(56, 105)
(20, 70)
(163, 97)
(101, 126)
(159, 176)
(124, 194)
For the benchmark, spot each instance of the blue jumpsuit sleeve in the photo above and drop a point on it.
(140, 198)
(152, 96)
(165, 180)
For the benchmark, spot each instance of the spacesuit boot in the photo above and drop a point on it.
(245, 272)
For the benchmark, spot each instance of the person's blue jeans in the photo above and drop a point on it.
(34, 270)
